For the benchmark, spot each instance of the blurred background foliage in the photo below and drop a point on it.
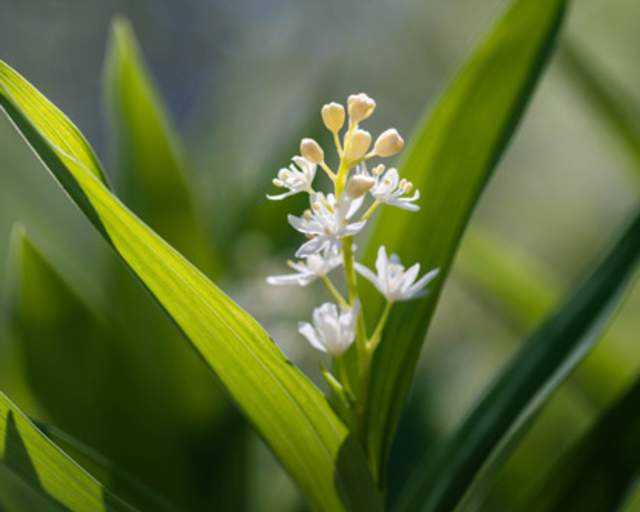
(242, 83)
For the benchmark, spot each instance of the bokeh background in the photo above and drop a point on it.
(244, 81)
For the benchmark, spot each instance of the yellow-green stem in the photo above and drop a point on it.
(334, 291)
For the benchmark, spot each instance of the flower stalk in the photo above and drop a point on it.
(330, 229)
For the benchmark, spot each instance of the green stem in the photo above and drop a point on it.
(334, 291)
(377, 333)
(352, 287)
(371, 210)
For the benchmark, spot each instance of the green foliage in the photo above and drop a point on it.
(94, 370)
(600, 469)
(26, 453)
(286, 409)
(535, 371)
(451, 159)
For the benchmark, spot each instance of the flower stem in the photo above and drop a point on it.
(371, 210)
(352, 287)
(334, 291)
(377, 333)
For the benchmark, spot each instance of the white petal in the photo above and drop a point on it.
(352, 229)
(291, 279)
(426, 279)
(281, 196)
(307, 330)
(382, 262)
(366, 273)
(312, 246)
(402, 203)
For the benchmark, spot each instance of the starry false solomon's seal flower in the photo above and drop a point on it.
(326, 223)
(315, 267)
(393, 281)
(333, 331)
(297, 178)
(330, 224)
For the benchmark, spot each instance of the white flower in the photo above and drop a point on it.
(316, 265)
(327, 223)
(393, 281)
(295, 180)
(390, 189)
(332, 331)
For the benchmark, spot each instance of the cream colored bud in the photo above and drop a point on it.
(360, 107)
(388, 143)
(360, 142)
(333, 116)
(277, 183)
(378, 170)
(311, 150)
(359, 185)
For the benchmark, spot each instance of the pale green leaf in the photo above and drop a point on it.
(289, 412)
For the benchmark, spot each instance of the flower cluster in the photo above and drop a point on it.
(333, 219)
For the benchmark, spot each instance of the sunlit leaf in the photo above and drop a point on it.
(450, 160)
(288, 411)
(538, 368)
(150, 158)
(44, 468)
(92, 381)
(155, 182)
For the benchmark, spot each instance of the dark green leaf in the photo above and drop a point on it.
(539, 367)
(450, 160)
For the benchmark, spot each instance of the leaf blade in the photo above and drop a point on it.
(529, 378)
(29, 454)
(452, 158)
(274, 395)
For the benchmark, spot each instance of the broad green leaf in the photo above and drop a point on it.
(615, 108)
(105, 470)
(155, 183)
(289, 412)
(149, 154)
(600, 469)
(94, 381)
(450, 160)
(43, 467)
(524, 292)
(537, 369)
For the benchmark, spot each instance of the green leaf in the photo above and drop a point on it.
(154, 177)
(538, 368)
(289, 412)
(523, 292)
(150, 156)
(94, 381)
(450, 160)
(105, 470)
(614, 106)
(27, 453)
(599, 470)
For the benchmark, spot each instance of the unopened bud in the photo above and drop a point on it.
(378, 170)
(333, 116)
(360, 142)
(360, 107)
(388, 143)
(359, 185)
(276, 182)
(312, 151)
